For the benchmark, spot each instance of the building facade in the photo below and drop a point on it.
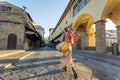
(16, 27)
(11, 27)
(40, 30)
(81, 15)
(111, 37)
(50, 33)
(50, 37)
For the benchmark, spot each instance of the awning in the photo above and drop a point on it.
(56, 40)
(29, 32)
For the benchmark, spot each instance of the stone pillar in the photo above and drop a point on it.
(100, 36)
(118, 36)
(84, 40)
(78, 42)
(118, 33)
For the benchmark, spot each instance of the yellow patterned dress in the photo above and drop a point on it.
(66, 60)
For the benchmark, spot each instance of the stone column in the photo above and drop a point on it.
(100, 36)
(84, 40)
(78, 42)
(118, 36)
(118, 33)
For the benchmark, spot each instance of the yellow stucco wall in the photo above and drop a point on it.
(91, 37)
(63, 24)
(93, 8)
(92, 12)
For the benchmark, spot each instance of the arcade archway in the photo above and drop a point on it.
(83, 27)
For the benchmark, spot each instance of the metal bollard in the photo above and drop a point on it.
(112, 49)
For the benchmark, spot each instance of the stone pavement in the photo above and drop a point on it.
(106, 58)
(106, 55)
(7, 57)
(103, 66)
(44, 64)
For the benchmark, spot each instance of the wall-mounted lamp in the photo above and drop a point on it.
(110, 14)
(66, 22)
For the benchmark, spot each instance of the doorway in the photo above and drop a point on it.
(12, 41)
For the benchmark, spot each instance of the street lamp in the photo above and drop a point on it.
(24, 20)
(24, 8)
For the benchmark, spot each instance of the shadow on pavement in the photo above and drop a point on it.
(37, 60)
(45, 49)
(7, 61)
(33, 63)
(102, 76)
(45, 64)
(44, 74)
(96, 73)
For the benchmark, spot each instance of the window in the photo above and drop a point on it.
(66, 22)
(82, 3)
(9, 9)
(79, 5)
(75, 9)
(5, 8)
(87, 1)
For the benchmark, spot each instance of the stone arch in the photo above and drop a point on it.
(85, 19)
(112, 12)
(12, 41)
(82, 27)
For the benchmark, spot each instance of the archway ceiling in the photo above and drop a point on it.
(84, 20)
(114, 14)
(80, 22)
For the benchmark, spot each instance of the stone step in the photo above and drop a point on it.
(5, 53)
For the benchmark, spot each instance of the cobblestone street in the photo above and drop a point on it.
(45, 64)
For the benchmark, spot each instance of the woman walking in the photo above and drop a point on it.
(68, 37)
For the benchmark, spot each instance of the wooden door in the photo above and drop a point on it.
(12, 41)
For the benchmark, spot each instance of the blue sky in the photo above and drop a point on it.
(44, 12)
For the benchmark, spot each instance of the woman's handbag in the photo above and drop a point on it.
(60, 46)
(75, 38)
